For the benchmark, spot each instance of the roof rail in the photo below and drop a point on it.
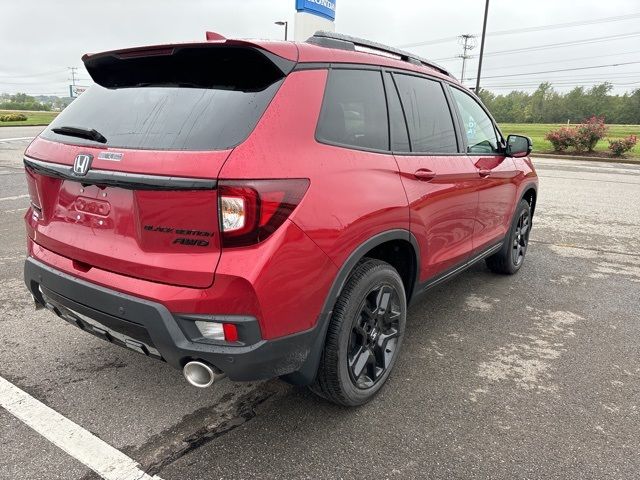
(346, 42)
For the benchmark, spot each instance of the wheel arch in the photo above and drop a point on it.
(530, 194)
(375, 244)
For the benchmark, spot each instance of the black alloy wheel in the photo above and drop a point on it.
(364, 335)
(521, 238)
(374, 337)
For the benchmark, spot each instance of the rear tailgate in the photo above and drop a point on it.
(167, 119)
(156, 227)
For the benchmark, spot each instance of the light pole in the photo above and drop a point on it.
(286, 25)
(484, 32)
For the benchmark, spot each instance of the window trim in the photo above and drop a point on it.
(345, 66)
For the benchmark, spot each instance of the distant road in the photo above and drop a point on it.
(8, 133)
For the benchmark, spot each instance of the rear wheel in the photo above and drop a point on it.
(510, 257)
(364, 335)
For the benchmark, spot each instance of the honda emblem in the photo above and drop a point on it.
(82, 164)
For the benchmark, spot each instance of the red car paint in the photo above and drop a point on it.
(454, 205)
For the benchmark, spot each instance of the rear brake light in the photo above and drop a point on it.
(34, 196)
(251, 210)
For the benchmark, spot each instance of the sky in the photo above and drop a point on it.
(40, 39)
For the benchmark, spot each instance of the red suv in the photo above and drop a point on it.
(263, 209)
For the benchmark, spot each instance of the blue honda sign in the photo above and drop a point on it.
(322, 8)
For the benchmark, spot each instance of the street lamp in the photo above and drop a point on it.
(286, 25)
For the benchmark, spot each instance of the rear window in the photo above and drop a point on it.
(165, 118)
(191, 97)
(354, 111)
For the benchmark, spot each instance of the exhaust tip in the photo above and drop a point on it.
(200, 374)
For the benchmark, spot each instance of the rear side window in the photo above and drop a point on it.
(428, 115)
(165, 117)
(399, 135)
(354, 110)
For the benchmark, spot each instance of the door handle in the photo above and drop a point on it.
(484, 173)
(424, 175)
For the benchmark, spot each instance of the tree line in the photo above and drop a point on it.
(22, 101)
(546, 105)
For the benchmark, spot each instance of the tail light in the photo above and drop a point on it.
(251, 210)
(34, 196)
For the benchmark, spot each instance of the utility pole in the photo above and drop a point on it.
(484, 32)
(468, 42)
(73, 80)
(73, 75)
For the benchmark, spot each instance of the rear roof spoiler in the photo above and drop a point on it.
(219, 62)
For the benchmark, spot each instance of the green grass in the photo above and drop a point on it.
(33, 118)
(537, 132)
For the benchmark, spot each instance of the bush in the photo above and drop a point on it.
(589, 133)
(562, 138)
(583, 137)
(622, 145)
(13, 117)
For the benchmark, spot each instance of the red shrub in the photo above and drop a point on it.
(622, 145)
(562, 138)
(589, 133)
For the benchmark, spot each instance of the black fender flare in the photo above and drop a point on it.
(307, 373)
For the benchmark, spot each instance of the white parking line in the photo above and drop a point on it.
(15, 139)
(16, 197)
(102, 458)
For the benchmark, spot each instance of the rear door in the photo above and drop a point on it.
(124, 179)
(496, 172)
(440, 182)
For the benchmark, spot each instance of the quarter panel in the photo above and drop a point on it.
(353, 194)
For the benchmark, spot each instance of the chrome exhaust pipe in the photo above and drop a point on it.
(201, 375)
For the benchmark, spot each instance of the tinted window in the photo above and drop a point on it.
(354, 111)
(428, 115)
(165, 118)
(399, 136)
(478, 127)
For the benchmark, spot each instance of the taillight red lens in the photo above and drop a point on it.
(34, 196)
(251, 210)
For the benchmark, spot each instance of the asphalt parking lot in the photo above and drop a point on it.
(536, 375)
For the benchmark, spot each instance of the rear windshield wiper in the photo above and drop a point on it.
(89, 133)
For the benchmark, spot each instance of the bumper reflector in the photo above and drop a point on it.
(218, 331)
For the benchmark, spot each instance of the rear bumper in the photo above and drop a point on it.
(150, 328)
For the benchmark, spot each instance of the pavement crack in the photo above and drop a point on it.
(200, 427)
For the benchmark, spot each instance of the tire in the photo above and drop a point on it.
(510, 257)
(364, 335)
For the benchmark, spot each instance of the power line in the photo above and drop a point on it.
(563, 60)
(561, 70)
(40, 74)
(617, 18)
(555, 45)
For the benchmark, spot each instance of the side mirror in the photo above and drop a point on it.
(518, 146)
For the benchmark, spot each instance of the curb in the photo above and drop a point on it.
(627, 161)
(30, 125)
